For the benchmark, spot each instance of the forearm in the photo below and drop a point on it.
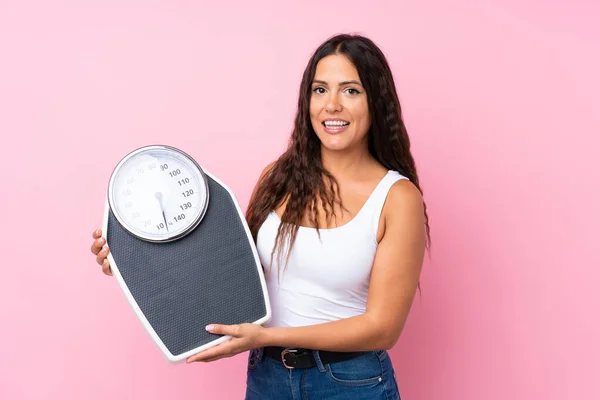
(360, 333)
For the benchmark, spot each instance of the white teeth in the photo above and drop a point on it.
(336, 123)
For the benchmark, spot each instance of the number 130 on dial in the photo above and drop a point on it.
(158, 193)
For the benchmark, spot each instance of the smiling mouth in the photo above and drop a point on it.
(335, 124)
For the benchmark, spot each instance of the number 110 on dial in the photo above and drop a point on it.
(158, 193)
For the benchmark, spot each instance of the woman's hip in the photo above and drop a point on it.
(308, 374)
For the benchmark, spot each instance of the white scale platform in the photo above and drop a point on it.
(209, 274)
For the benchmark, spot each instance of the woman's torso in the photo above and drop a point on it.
(326, 278)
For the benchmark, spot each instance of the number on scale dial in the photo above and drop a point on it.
(158, 193)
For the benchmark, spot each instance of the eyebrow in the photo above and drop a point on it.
(341, 83)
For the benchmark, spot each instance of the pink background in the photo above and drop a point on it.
(501, 101)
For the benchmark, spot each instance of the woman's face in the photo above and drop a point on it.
(339, 111)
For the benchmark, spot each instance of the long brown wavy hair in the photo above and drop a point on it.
(298, 176)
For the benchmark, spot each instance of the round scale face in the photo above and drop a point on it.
(158, 193)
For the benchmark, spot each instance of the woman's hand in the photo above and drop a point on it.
(100, 250)
(244, 337)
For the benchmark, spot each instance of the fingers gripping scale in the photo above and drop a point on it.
(181, 250)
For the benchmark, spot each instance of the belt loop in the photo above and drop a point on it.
(318, 361)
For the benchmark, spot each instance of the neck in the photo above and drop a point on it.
(349, 162)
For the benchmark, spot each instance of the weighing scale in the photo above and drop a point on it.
(181, 250)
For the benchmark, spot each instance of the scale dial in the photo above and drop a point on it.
(158, 193)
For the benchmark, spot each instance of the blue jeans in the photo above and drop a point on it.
(369, 376)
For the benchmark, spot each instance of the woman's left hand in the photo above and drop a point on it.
(244, 337)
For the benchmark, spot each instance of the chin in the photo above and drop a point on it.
(334, 144)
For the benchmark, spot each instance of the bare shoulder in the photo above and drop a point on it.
(404, 196)
(267, 169)
(404, 218)
(260, 179)
(403, 209)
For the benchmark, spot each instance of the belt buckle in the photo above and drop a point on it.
(283, 353)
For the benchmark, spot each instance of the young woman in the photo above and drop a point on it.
(341, 230)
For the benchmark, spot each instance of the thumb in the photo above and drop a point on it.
(218, 329)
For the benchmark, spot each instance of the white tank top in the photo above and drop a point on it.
(327, 279)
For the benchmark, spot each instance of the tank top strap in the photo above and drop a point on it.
(374, 205)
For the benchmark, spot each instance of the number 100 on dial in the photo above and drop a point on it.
(158, 193)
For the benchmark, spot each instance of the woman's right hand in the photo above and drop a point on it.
(100, 250)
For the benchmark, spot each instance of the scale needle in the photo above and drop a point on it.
(158, 196)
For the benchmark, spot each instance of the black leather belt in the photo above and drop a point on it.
(304, 358)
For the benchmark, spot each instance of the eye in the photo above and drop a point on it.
(353, 91)
(319, 90)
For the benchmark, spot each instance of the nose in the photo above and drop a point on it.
(333, 103)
